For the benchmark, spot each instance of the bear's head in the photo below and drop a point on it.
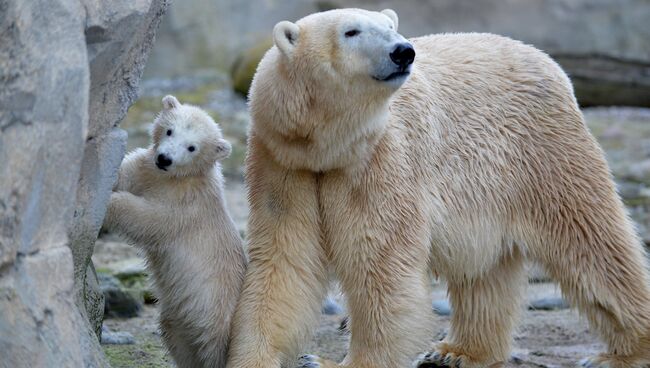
(320, 95)
(186, 141)
(347, 47)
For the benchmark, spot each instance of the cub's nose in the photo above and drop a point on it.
(403, 54)
(163, 161)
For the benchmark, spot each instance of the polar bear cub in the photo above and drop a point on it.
(169, 201)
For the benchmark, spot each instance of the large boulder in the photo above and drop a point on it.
(68, 72)
(119, 37)
(602, 44)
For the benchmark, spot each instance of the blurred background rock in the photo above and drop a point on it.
(603, 44)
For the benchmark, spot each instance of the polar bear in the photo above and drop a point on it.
(383, 166)
(169, 201)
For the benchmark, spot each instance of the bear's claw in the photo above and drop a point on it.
(308, 361)
(598, 361)
(437, 360)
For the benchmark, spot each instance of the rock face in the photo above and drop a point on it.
(118, 39)
(68, 71)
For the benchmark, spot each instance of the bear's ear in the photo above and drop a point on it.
(170, 102)
(390, 13)
(285, 36)
(223, 149)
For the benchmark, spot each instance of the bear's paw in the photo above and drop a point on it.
(609, 361)
(445, 356)
(313, 361)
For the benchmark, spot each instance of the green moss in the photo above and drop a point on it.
(104, 270)
(635, 202)
(148, 354)
(245, 66)
(196, 97)
(232, 166)
(138, 286)
(144, 110)
(141, 112)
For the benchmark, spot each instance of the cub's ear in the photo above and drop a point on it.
(170, 102)
(285, 37)
(390, 13)
(223, 149)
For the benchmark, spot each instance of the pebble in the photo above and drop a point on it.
(117, 302)
(116, 338)
(548, 304)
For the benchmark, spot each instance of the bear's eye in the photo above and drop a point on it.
(352, 33)
(191, 148)
(169, 132)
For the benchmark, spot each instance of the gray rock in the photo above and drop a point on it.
(548, 304)
(116, 338)
(62, 91)
(199, 34)
(629, 190)
(118, 302)
(130, 267)
(628, 153)
(44, 79)
(118, 39)
(441, 307)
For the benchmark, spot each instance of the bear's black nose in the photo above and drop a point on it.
(403, 54)
(163, 161)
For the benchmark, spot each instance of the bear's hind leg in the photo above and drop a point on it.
(485, 310)
(605, 276)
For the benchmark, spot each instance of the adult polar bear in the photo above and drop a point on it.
(479, 161)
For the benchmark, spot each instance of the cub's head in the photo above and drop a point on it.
(347, 48)
(186, 141)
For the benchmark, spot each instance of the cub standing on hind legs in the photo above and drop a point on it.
(468, 158)
(169, 201)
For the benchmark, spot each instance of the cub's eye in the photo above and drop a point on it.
(352, 33)
(169, 132)
(191, 148)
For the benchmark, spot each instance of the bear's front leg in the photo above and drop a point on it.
(485, 310)
(286, 277)
(140, 220)
(390, 313)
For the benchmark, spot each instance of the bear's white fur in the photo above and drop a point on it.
(177, 215)
(479, 161)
